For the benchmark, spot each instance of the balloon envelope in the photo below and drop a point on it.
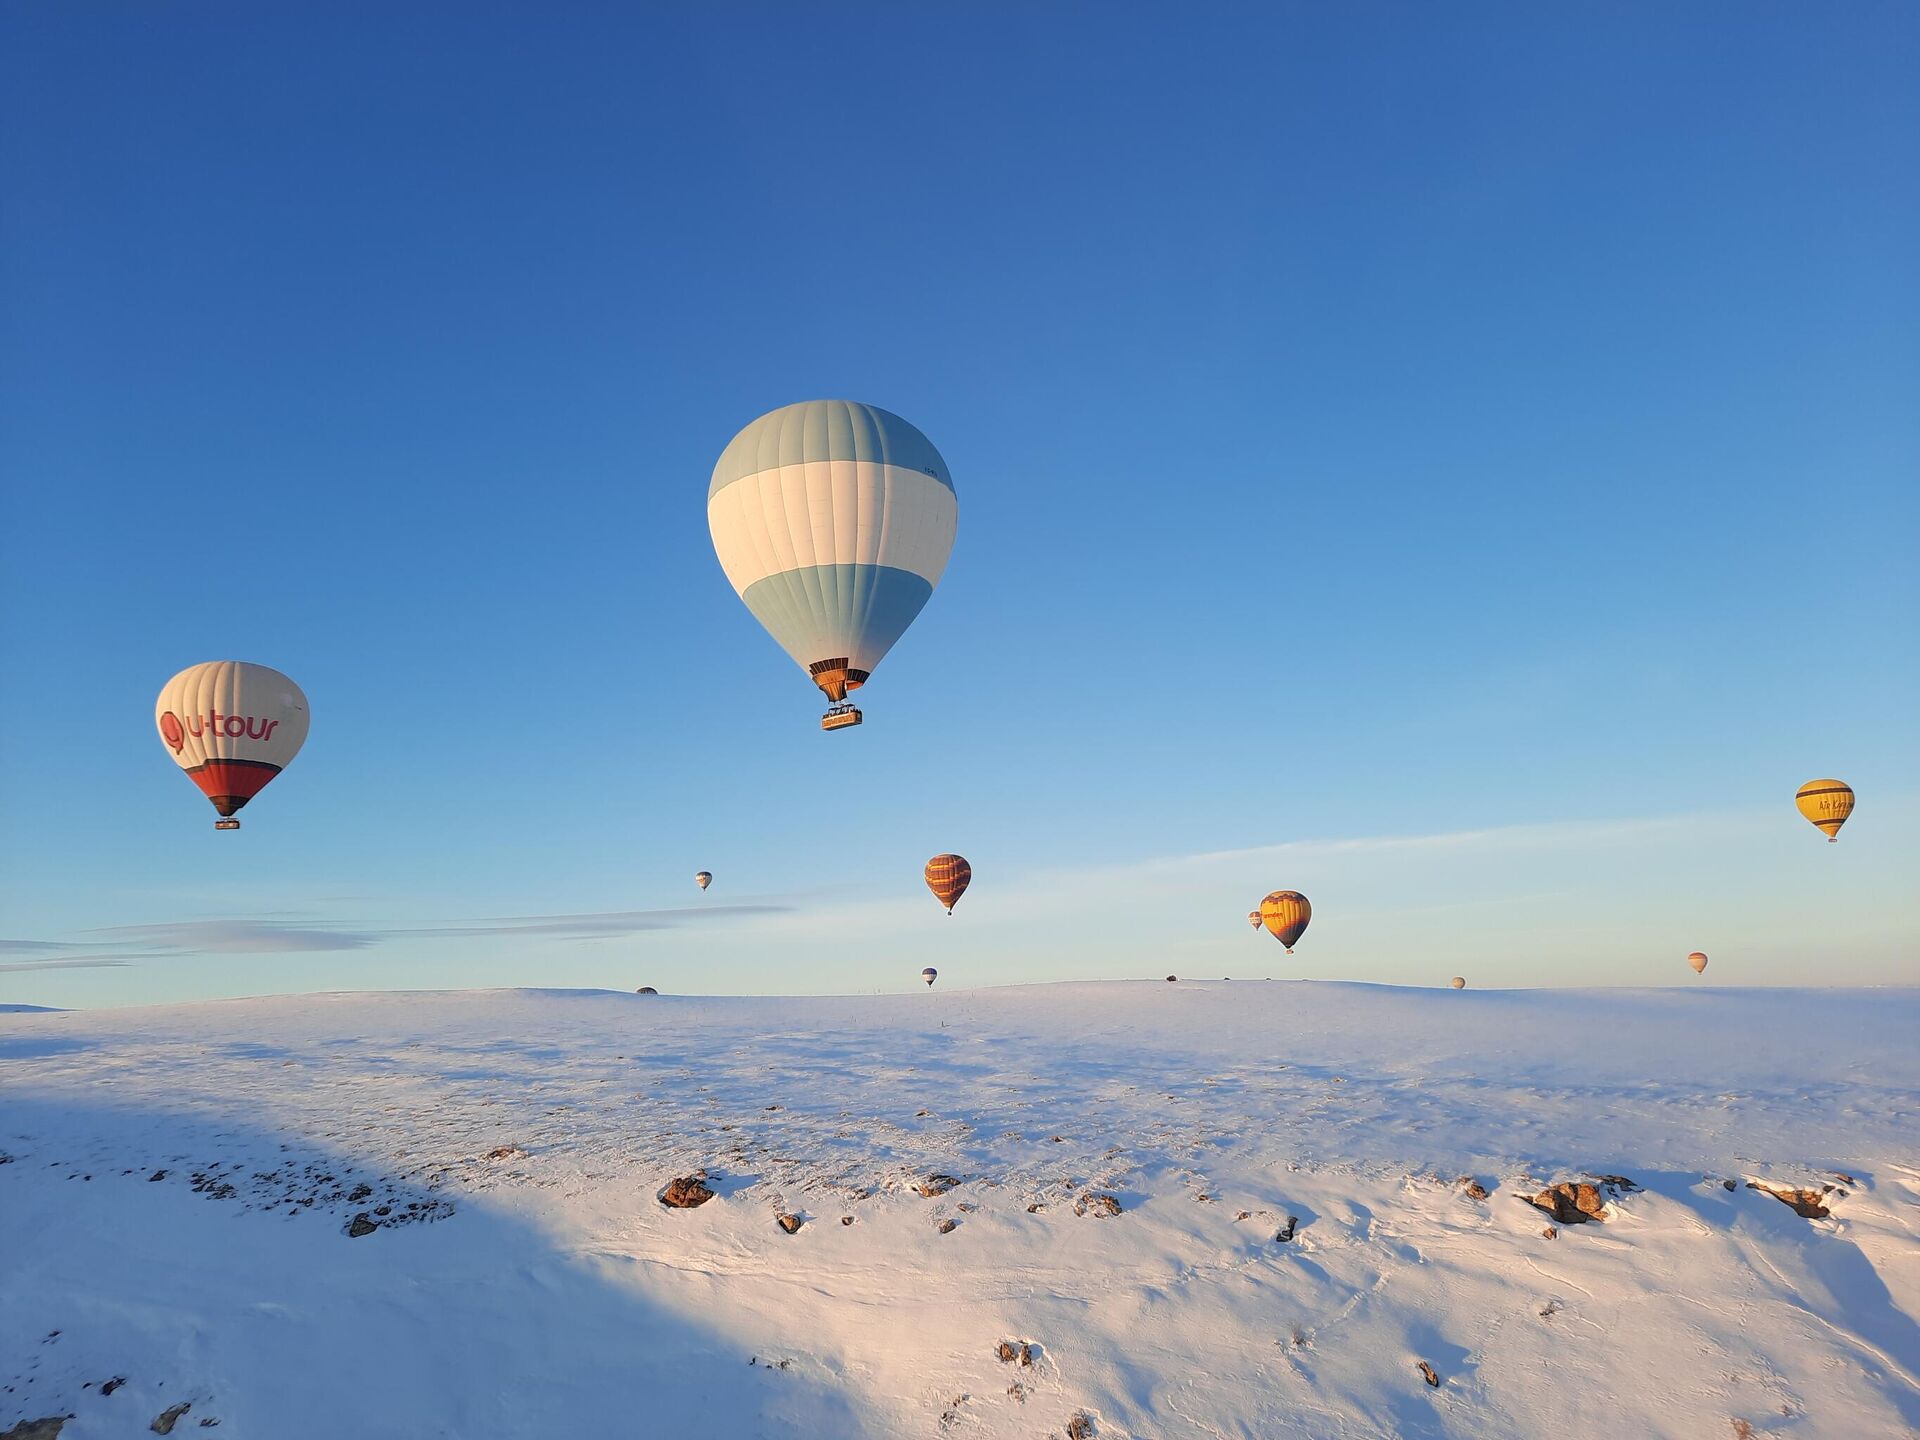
(1698, 962)
(929, 975)
(703, 879)
(1458, 982)
(1285, 913)
(232, 727)
(1253, 918)
(833, 521)
(948, 877)
(1827, 803)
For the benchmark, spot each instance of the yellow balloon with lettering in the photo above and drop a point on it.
(1826, 803)
(1285, 913)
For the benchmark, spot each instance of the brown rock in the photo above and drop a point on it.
(362, 1224)
(1426, 1373)
(1805, 1203)
(790, 1223)
(1551, 1233)
(935, 1185)
(1008, 1352)
(1285, 1234)
(1080, 1427)
(1035, 1208)
(1475, 1190)
(846, 1219)
(506, 1152)
(163, 1422)
(684, 1192)
(947, 1227)
(1097, 1203)
(1574, 1202)
(48, 1428)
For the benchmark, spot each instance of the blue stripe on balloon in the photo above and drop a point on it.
(824, 612)
(827, 430)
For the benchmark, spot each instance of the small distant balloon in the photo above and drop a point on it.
(703, 879)
(1458, 982)
(948, 877)
(1698, 961)
(646, 990)
(929, 974)
(1253, 918)
(1285, 913)
(1827, 804)
(1172, 979)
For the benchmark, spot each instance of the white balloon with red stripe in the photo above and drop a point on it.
(232, 727)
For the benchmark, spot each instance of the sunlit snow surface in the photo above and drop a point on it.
(549, 1293)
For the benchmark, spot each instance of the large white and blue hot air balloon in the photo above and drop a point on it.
(833, 521)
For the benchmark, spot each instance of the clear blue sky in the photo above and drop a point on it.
(1489, 424)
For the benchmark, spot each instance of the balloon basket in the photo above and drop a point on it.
(839, 717)
(226, 824)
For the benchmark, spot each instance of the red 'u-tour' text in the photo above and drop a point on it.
(214, 723)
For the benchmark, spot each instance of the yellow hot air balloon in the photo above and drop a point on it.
(1285, 913)
(1253, 918)
(1698, 961)
(1459, 982)
(1827, 803)
(948, 877)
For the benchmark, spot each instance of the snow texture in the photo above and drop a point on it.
(437, 1214)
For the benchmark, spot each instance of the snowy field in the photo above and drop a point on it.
(181, 1187)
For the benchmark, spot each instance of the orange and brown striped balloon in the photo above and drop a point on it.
(1827, 803)
(1698, 961)
(948, 877)
(1285, 913)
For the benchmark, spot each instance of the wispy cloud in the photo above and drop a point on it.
(84, 962)
(238, 937)
(268, 935)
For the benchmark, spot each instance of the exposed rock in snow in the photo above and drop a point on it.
(1805, 1201)
(684, 1192)
(1095, 1202)
(934, 1185)
(46, 1428)
(164, 1422)
(790, 1223)
(1572, 1202)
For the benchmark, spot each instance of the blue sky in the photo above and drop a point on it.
(1459, 465)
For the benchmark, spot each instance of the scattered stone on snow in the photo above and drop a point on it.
(163, 1423)
(846, 1219)
(935, 1185)
(684, 1192)
(361, 1224)
(947, 1227)
(112, 1385)
(1804, 1202)
(1080, 1427)
(1475, 1190)
(46, 1428)
(1285, 1233)
(1096, 1202)
(1551, 1233)
(1427, 1374)
(157, 1175)
(506, 1152)
(790, 1223)
(1035, 1208)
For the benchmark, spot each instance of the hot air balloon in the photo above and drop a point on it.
(929, 975)
(1827, 803)
(232, 727)
(1285, 913)
(1698, 961)
(833, 522)
(1253, 918)
(1458, 982)
(948, 877)
(703, 879)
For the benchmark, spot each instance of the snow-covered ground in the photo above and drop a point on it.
(180, 1186)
